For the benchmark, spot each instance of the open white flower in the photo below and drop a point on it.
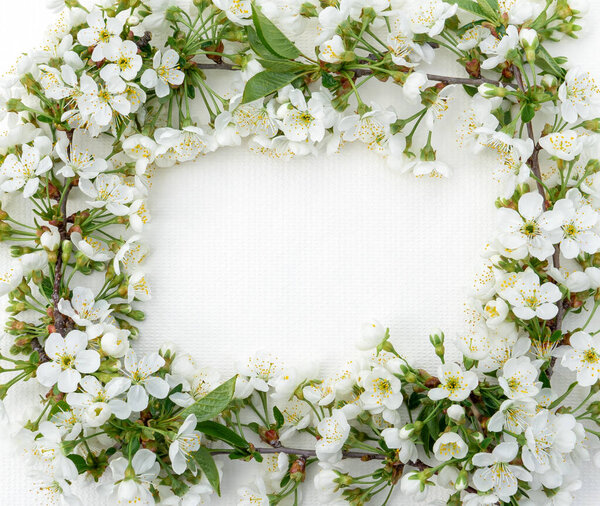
(395, 439)
(429, 16)
(95, 396)
(371, 128)
(78, 163)
(237, 11)
(126, 62)
(11, 277)
(496, 473)
(579, 96)
(578, 225)
(83, 308)
(456, 383)
(69, 358)
(333, 431)
(583, 356)
(519, 378)
(405, 51)
(529, 299)
(302, 119)
(131, 483)
(102, 33)
(22, 172)
(332, 50)
(108, 190)
(565, 145)
(99, 104)
(187, 441)
(164, 72)
(139, 374)
(381, 391)
(262, 370)
(450, 446)
(530, 226)
(497, 50)
(514, 415)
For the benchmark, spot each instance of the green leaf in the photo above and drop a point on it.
(469, 6)
(546, 62)
(489, 8)
(278, 415)
(214, 403)
(79, 462)
(471, 90)
(282, 65)
(222, 433)
(527, 113)
(257, 46)
(264, 83)
(47, 287)
(207, 464)
(272, 37)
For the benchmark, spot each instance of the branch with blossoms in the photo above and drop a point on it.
(116, 92)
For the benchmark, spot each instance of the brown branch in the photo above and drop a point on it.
(308, 453)
(534, 164)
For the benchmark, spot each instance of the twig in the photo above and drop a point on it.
(534, 164)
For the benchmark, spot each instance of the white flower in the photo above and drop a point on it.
(10, 278)
(108, 191)
(496, 473)
(333, 431)
(51, 489)
(450, 446)
(405, 51)
(274, 467)
(251, 497)
(514, 415)
(96, 396)
(431, 168)
(237, 11)
(139, 373)
(529, 299)
(91, 248)
(579, 96)
(165, 72)
(115, 342)
(529, 226)
(396, 439)
(187, 441)
(58, 84)
(78, 163)
(262, 370)
(371, 128)
(48, 453)
(304, 120)
(50, 239)
(100, 104)
(583, 356)
(126, 62)
(519, 378)
(519, 11)
(69, 358)
(332, 50)
(23, 171)
(565, 145)
(83, 308)
(578, 223)
(372, 335)
(326, 486)
(101, 33)
(130, 483)
(548, 438)
(497, 50)
(456, 384)
(456, 412)
(413, 86)
(495, 312)
(382, 392)
(429, 16)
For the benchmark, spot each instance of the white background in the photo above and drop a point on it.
(250, 253)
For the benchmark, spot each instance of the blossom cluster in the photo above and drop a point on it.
(117, 91)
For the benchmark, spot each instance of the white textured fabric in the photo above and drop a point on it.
(251, 253)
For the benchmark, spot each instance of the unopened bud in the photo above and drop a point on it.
(488, 90)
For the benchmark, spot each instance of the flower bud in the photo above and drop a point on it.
(115, 344)
(184, 365)
(437, 341)
(488, 90)
(373, 334)
(50, 240)
(549, 82)
(462, 481)
(456, 412)
(167, 350)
